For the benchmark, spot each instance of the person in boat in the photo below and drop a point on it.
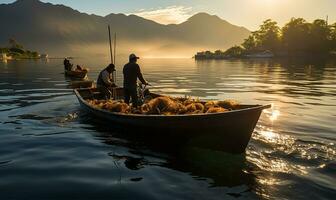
(106, 82)
(79, 68)
(132, 73)
(67, 64)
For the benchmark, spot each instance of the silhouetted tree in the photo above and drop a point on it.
(268, 35)
(295, 35)
(251, 42)
(333, 36)
(320, 38)
(218, 52)
(14, 44)
(235, 51)
(35, 54)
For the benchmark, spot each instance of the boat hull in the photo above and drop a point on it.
(228, 132)
(76, 74)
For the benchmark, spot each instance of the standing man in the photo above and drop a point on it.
(106, 81)
(132, 73)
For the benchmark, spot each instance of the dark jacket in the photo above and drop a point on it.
(101, 82)
(131, 73)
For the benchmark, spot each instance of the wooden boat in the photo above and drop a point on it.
(229, 131)
(76, 73)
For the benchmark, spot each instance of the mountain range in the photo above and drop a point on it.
(60, 30)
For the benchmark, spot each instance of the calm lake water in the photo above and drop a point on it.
(50, 149)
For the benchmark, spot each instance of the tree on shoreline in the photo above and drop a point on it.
(268, 35)
(251, 42)
(14, 44)
(266, 38)
(297, 37)
(333, 36)
(16, 50)
(234, 51)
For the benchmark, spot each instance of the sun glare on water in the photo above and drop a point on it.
(273, 114)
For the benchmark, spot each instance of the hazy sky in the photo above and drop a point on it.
(248, 13)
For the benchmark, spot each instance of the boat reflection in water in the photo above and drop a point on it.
(249, 175)
(218, 169)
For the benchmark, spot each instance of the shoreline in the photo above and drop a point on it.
(330, 56)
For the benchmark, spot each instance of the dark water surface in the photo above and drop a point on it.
(50, 149)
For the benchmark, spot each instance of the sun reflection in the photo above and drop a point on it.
(322, 166)
(272, 114)
(268, 181)
(269, 135)
(275, 164)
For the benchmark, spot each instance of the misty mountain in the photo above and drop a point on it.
(59, 30)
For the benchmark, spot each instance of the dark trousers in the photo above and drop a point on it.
(131, 93)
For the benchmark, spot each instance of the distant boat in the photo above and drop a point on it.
(265, 54)
(76, 73)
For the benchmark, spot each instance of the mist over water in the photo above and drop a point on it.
(50, 149)
(145, 48)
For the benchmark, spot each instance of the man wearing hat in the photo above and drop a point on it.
(132, 73)
(106, 81)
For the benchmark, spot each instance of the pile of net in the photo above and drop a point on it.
(167, 106)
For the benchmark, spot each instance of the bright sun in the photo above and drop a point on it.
(266, 2)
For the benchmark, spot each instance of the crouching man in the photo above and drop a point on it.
(132, 73)
(106, 81)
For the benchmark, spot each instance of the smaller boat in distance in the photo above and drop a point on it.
(76, 73)
(228, 131)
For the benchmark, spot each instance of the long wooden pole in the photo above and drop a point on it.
(115, 47)
(115, 53)
(112, 62)
(111, 53)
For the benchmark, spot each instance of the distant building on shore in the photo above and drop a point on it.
(264, 54)
(44, 56)
(3, 56)
(207, 55)
(234, 52)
